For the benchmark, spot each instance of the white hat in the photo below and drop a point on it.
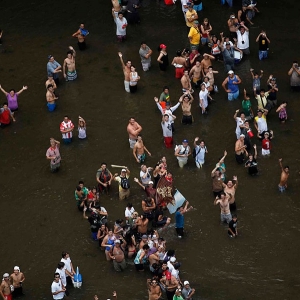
(173, 259)
(150, 182)
(230, 72)
(186, 283)
(117, 242)
(123, 170)
(242, 135)
(16, 268)
(5, 275)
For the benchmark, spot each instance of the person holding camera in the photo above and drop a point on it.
(263, 45)
(273, 89)
(294, 72)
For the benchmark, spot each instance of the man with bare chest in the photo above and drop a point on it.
(230, 188)
(154, 289)
(5, 291)
(17, 278)
(69, 63)
(51, 98)
(206, 62)
(142, 225)
(117, 255)
(195, 74)
(133, 129)
(282, 186)
(186, 82)
(139, 150)
(223, 202)
(240, 149)
(126, 71)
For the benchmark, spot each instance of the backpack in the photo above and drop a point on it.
(125, 183)
(182, 149)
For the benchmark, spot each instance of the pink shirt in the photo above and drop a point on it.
(54, 152)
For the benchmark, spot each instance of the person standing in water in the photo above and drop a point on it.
(282, 186)
(53, 155)
(12, 97)
(133, 129)
(163, 59)
(51, 98)
(81, 128)
(126, 70)
(69, 62)
(53, 68)
(81, 34)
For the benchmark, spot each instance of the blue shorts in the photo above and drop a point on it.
(51, 107)
(281, 188)
(197, 7)
(204, 40)
(233, 96)
(262, 54)
(67, 141)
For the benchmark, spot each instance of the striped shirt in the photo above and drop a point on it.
(64, 126)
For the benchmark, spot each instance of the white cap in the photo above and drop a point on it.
(16, 268)
(150, 182)
(173, 259)
(123, 170)
(5, 275)
(242, 135)
(186, 282)
(230, 72)
(117, 242)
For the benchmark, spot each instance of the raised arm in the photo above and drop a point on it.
(3, 91)
(121, 59)
(76, 33)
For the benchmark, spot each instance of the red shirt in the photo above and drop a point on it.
(266, 144)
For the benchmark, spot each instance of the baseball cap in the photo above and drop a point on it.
(49, 56)
(150, 182)
(117, 242)
(242, 135)
(185, 141)
(5, 275)
(230, 72)
(266, 133)
(123, 170)
(144, 236)
(173, 259)
(16, 268)
(162, 46)
(186, 283)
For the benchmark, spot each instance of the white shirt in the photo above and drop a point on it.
(120, 23)
(183, 150)
(62, 274)
(239, 122)
(167, 129)
(147, 177)
(67, 262)
(81, 132)
(129, 212)
(203, 97)
(55, 287)
(168, 111)
(242, 38)
(200, 154)
(261, 123)
(184, 3)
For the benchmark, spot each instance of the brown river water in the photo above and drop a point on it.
(39, 218)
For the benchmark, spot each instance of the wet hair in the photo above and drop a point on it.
(131, 65)
(242, 113)
(70, 52)
(166, 115)
(80, 182)
(120, 13)
(103, 163)
(129, 205)
(146, 247)
(178, 52)
(165, 88)
(60, 265)
(55, 274)
(143, 42)
(234, 216)
(12, 90)
(286, 167)
(262, 90)
(78, 188)
(64, 253)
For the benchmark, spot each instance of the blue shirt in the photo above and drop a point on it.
(51, 66)
(179, 218)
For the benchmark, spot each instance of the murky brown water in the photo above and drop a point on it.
(39, 218)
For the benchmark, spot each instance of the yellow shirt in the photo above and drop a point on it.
(188, 15)
(195, 35)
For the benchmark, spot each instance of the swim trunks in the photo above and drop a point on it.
(71, 75)
(51, 106)
(281, 188)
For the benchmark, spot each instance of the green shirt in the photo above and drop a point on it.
(246, 104)
(164, 97)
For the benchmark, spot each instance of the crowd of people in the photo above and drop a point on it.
(138, 236)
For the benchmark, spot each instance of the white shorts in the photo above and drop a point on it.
(182, 163)
(146, 66)
(126, 85)
(265, 152)
(199, 164)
